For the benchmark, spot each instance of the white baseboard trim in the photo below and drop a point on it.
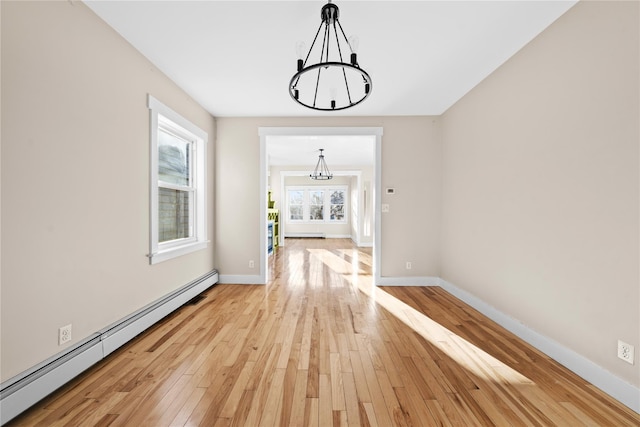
(114, 336)
(316, 235)
(408, 281)
(303, 235)
(624, 392)
(20, 396)
(233, 279)
(26, 389)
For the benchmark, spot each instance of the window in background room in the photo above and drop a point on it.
(336, 208)
(178, 205)
(296, 204)
(315, 204)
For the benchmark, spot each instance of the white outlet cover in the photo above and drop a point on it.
(626, 352)
(64, 334)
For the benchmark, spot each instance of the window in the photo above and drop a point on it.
(296, 205)
(317, 204)
(336, 208)
(178, 205)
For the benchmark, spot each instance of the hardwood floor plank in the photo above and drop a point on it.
(272, 410)
(382, 413)
(313, 369)
(262, 385)
(311, 413)
(337, 384)
(351, 399)
(362, 389)
(235, 395)
(299, 399)
(320, 346)
(414, 414)
(325, 412)
(188, 407)
(368, 415)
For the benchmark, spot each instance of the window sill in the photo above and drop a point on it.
(170, 253)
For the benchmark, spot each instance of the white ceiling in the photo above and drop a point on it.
(339, 151)
(236, 57)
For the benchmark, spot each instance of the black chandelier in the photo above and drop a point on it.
(337, 85)
(321, 172)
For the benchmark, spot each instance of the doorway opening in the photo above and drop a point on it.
(281, 148)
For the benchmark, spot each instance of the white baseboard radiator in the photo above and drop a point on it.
(306, 235)
(26, 389)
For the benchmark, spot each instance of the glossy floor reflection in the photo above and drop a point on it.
(320, 346)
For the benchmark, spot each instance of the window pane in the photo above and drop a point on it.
(337, 205)
(296, 197)
(173, 159)
(316, 197)
(316, 213)
(173, 214)
(296, 203)
(316, 205)
(295, 212)
(337, 197)
(337, 212)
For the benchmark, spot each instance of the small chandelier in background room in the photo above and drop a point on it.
(337, 84)
(321, 172)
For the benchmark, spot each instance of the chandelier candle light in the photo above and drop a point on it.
(337, 85)
(321, 172)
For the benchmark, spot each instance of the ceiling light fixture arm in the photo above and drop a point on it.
(344, 73)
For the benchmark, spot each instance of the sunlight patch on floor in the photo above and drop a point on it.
(451, 344)
(359, 257)
(466, 354)
(337, 264)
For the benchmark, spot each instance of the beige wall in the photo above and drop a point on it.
(75, 179)
(411, 162)
(541, 185)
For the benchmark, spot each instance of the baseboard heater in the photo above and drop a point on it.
(26, 389)
(306, 235)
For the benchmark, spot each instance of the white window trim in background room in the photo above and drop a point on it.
(161, 115)
(327, 204)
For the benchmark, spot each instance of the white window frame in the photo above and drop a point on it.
(164, 117)
(326, 208)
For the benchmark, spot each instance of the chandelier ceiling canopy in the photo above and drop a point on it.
(331, 84)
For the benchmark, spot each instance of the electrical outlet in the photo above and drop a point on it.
(408, 265)
(251, 264)
(64, 334)
(625, 352)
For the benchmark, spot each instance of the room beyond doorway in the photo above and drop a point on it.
(287, 155)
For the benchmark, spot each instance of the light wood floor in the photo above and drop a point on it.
(319, 346)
